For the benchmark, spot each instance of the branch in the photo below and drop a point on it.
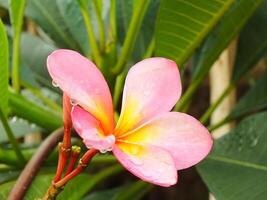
(33, 166)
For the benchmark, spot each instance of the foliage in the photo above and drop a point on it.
(116, 34)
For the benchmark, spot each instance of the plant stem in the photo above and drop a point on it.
(64, 148)
(188, 94)
(102, 43)
(57, 187)
(15, 63)
(83, 163)
(75, 152)
(90, 33)
(118, 89)
(211, 109)
(213, 127)
(11, 138)
(133, 30)
(33, 166)
(113, 20)
(16, 17)
(150, 49)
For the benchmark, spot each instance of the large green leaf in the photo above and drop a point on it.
(255, 99)
(86, 183)
(41, 183)
(183, 24)
(218, 39)
(35, 61)
(47, 15)
(252, 44)
(71, 15)
(104, 194)
(124, 13)
(133, 191)
(4, 56)
(237, 167)
(33, 112)
(19, 127)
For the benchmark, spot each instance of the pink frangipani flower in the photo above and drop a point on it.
(148, 140)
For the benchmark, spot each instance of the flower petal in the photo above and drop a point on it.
(90, 130)
(183, 136)
(81, 80)
(149, 163)
(152, 87)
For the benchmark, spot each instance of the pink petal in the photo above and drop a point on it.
(183, 136)
(81, 80)
(152, 87)
(90, 130)
(149, 163)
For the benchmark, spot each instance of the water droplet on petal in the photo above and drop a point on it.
(54, 83)
(103, 150)
(73, 102)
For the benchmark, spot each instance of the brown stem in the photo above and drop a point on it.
(57, 187)
(64, 148)
(67, 121)
(33, 166)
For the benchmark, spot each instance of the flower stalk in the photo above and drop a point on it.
(64, 148)
(57, 187)
(75, 152)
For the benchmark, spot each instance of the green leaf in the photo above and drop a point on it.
(237, 167)
(218, 39)
(104, 194)
(124, 13)
(183, 24)
(16, 16)
(35, 61)
(5, 189)
(7, 176)
(71, 15)
(19, 127)
(252, 44)
(4, 63)
(134, 191)
(86, 183)
(254, 100)
(47, 15)
(42, 182)
(147, 31)
(34, 113)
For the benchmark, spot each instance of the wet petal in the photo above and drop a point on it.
(152, 87)
(90, 130)
(149, 163)
(183, 136)
(81, 80)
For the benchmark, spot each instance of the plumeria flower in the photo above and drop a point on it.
(148, 140)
